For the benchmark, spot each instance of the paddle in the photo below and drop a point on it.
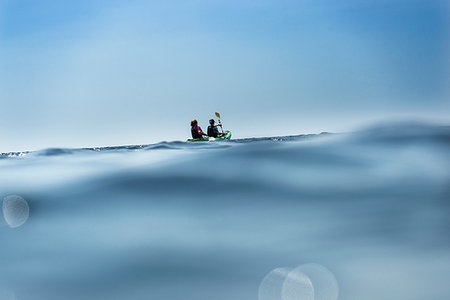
(218, 117)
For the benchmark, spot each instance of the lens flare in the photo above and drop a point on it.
(15, 210)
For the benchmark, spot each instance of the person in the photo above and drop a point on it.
(212, 129)
(196, 131)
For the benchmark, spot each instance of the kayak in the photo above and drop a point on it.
(227, 136)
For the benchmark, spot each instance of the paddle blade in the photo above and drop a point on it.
(218, 116)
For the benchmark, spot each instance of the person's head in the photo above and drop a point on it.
(194, 123)
(211, 121)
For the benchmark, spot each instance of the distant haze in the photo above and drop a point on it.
(91, 73)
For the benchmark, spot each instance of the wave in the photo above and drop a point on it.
(208, 220)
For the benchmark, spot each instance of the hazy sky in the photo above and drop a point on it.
(90, 73)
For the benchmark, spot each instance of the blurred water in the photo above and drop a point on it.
(209, 220)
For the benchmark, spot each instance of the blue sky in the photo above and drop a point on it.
(90, 73)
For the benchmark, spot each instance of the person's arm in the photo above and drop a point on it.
(200, 131)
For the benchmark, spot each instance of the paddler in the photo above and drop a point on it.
(196, 131)
(212, 129)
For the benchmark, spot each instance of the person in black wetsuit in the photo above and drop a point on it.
(196, 131)
(212, 129)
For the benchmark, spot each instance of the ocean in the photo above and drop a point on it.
(209, 220)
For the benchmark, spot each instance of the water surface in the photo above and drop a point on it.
(209, 220)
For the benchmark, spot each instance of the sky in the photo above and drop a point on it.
(98, 73)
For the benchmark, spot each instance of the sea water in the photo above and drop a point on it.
(210, 220)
